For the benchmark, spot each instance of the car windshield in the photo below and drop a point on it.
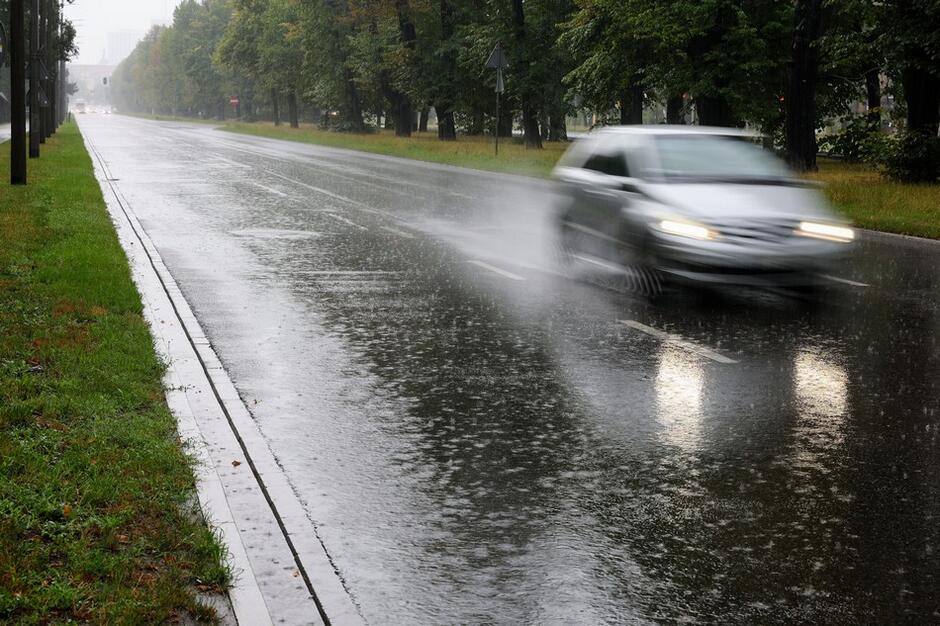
(710, 158)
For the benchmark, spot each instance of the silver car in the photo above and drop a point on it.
(695, 203)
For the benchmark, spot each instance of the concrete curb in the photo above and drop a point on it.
(283, 571)
(913, 239)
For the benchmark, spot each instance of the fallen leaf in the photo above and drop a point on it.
(236, 463)
(67, 510)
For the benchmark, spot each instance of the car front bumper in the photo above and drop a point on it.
(793, 261)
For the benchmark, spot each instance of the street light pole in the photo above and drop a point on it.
(18, 92)
(35, 125)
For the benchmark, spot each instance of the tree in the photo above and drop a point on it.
(808, 26)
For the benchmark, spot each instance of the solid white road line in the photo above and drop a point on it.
(845, 281)
(342, 219)
(676, 340)
(497, 271)
(268, 189)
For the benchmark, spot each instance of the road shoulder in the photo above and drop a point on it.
(282, 571)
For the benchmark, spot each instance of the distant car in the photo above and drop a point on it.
(694, 203)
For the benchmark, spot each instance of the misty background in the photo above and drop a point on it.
(108, 30)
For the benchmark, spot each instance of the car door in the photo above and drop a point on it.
(606, 192)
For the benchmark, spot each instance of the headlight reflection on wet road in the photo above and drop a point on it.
(680, 387)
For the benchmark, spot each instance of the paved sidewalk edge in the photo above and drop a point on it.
(245, 594)
(333, 602)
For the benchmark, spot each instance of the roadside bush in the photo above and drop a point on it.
(911, 157)
(859, 140)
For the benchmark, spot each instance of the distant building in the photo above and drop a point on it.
(119, 46)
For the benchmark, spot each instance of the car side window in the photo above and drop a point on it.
(612, 163)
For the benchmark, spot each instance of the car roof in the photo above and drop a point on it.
(665, 129)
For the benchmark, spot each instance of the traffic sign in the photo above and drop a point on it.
(497, 60)
(234, 101)
(43, 98)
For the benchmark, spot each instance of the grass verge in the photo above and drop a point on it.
(474, 152)
(97, 521)
(872, 201)
(856, 190)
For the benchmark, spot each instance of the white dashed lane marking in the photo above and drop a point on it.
(678, 341)
(395, 231)
(340, 218)
(269, 189)
(496, 270)
(846, 281)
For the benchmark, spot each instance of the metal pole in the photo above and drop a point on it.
(35, 123)
(18, 91)
(48, 113)
(43, 125)
(497, 123)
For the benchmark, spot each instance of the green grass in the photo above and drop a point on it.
(474, 152)
(856, 190)
(872, 201)
(97, 522)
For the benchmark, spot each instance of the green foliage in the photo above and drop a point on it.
(912, 157)
(351, 61)
(858, 140)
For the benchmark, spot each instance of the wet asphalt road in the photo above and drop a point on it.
(482, 440)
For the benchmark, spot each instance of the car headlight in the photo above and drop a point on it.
(829, 232)
(691, 230)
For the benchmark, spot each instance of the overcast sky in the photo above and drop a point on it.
(94, 19)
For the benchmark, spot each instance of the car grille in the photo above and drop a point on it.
(762, 231)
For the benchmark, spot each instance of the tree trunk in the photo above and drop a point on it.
(353, 111)
(674, 110)
(530, 119)
(407, 34)
(714, 111)
(276, 105)
(444, 104)
(631, 105)
(477, 122)
(292, 109)
(423, 119)
(404, 115)
(557, 126)
(800, 124)
(506, 116)
(873, 96)
(922, 95)
(446, 128)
